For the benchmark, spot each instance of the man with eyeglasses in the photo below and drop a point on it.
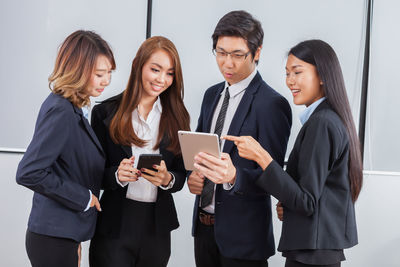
(232, 224)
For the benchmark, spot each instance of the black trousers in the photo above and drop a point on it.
(291, 263)
(138, 244)
(207, 253)
(48, 251)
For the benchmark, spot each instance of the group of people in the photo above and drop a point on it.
(69, 160)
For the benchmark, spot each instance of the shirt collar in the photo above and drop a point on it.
(305, 115)
(240, 86)
(85, 112)
(158, 105)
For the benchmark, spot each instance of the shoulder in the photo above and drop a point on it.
(269, 98)
(213, 90)
(107, 106)
(327, 119)
(57, 104)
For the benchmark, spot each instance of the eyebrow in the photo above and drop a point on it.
(101, 70)
(295, 66)
(158, 65)
(234, 51)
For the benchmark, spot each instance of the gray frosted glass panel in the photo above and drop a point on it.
(31, 32)
(383, 124)
(190, 24)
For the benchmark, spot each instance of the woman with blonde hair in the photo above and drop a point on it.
(64, 162)
(138, 209)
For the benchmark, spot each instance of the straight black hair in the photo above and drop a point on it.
(240, 24)
(323, 57)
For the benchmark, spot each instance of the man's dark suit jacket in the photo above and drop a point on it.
(63, 161)
(109, 220)
(315, 190)
(243, 223)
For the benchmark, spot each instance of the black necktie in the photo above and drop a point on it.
(208, 188)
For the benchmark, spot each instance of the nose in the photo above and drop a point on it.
(229, 61)
(289, 79)
(161, 77)
(106, 80)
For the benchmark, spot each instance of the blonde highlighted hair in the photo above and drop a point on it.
(75, 64)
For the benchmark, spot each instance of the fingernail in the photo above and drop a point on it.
(142, 169)
(154, 166)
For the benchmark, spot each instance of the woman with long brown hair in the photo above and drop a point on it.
(324, 172)
(138, 211)
(64, 162)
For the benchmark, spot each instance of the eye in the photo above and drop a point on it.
(171, 74)
(221, 53)
(238, 56)
(287, 74)
(297, 72)
(99, 75)
(155, 70)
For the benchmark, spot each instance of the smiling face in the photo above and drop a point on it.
(157, 74)
(101, 76)
(303, 80)
(235, 70)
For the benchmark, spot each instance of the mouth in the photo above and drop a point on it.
(100, 90)
(295, 91)
(156, 87)
(228, 74)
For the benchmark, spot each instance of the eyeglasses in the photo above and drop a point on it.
(236, 56)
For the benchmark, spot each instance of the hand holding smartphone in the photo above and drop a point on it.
(148, 160)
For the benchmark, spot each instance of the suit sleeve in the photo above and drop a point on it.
(274, 125)
(36, 169)
(177, 168)
(109, 181)
(316, 155)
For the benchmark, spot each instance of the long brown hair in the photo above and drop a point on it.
(75, 63)
(174, 115)
(323, 57)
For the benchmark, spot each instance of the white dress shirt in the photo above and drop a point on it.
(142, 190)
(236, 92)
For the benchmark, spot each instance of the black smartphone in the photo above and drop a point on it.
(148, 160)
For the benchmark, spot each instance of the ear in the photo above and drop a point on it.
(257, 54)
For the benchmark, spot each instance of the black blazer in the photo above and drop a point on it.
(63, 161)
(315, 190)
(243, 222)
(109, 220)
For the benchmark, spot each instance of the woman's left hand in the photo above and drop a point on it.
(250, 149)
(160, 177)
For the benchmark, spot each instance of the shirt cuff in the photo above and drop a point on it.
(90, 201)
(171, 183)
(228, 186)
(123, 184)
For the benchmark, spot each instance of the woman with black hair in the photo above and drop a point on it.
(324, 172)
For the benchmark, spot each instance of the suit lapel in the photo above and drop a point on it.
(211, 110)
(89, 129)
(242, 110)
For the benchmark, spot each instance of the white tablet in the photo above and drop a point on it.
(193, 143)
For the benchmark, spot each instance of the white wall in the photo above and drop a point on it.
(31, 32)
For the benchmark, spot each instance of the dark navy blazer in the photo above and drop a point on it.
(315, 189)
(112, 200)
(243, 223)
(62, 163)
